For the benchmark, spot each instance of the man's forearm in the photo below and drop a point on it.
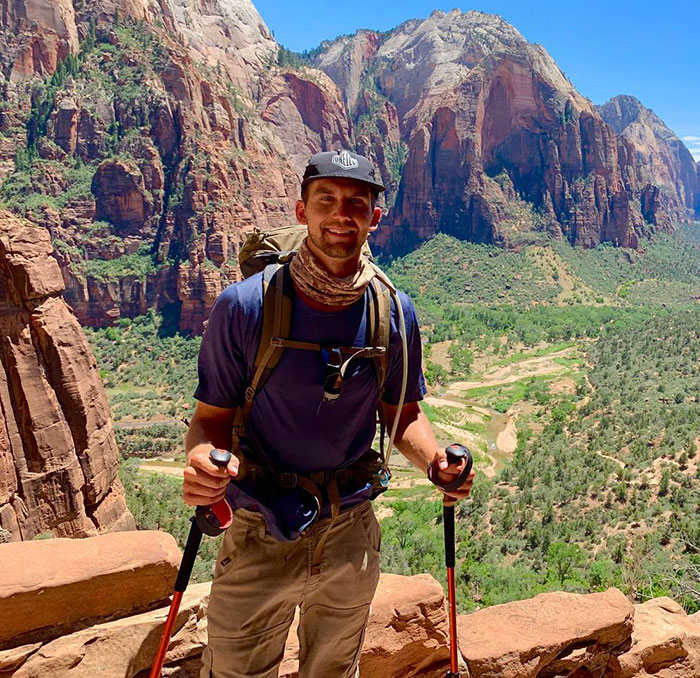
(203, 434)
(414, 436)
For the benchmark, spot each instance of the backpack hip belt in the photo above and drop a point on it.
(368, 469)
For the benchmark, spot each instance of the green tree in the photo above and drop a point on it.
(436, 375)
(461, 359)
(562, 558)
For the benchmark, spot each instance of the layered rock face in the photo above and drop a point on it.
(58, 453)
(190, 132)
(661, 158)
(50, 35)
(487, 117)
(230, 33)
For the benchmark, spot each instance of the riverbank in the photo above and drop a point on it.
(483, 413)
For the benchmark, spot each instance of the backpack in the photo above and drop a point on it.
(270, 252)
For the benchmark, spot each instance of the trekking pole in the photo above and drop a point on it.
(210, 520)
(455, 454)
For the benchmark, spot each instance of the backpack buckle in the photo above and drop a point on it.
(287, 480)
(249, 394)
(277, 342)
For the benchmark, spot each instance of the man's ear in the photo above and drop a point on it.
(300, 211)
(376, 216)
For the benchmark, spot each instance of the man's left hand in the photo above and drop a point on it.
(443, 473)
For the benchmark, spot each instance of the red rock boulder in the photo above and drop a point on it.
(552, 634)
(665, 643)
(53, 586)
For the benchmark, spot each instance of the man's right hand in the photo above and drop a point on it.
(205, 483)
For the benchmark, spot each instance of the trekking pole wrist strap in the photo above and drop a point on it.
(455, 453)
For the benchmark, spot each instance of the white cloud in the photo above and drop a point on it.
(693, 144)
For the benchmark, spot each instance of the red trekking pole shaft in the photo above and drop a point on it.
(183, 577)
(455, 454)
(448, 516)
(211, 520)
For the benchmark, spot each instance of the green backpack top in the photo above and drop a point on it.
(262, 248)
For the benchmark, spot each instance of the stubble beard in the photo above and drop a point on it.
(336, 250)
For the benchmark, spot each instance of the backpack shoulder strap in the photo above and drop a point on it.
(276, 323)
(380, 328)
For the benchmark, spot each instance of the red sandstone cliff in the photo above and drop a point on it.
(58, 453)
(152, 135)
(486, 116)
(661, 158)
(191, 131)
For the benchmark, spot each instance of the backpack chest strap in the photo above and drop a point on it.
(353, 351)
(278, 344)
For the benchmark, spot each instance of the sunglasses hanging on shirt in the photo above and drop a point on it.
(334, 369)
(333, 373)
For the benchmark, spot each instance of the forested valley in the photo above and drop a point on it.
(585, 362)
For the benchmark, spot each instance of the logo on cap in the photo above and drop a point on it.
(345, 160)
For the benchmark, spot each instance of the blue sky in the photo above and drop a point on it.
(648, 49)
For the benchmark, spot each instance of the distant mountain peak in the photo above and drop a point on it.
(663, 158)
(625, 109)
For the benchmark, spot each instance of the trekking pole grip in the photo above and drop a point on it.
(455, 453)
(215, 519)
(211, 520)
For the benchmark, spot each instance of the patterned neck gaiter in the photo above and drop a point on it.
(312, 278)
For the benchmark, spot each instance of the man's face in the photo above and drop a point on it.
(340, 215)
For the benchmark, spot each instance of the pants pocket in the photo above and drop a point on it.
(234, 543)
(370, 528)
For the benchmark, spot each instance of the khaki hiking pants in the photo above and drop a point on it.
(259, 582)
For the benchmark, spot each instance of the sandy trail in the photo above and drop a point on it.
(507, 439)
(621, 464)
(443, 402)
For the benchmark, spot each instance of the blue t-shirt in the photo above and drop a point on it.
(296, 430)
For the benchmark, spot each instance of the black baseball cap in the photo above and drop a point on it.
(344, 164)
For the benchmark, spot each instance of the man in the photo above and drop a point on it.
(330, 572)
